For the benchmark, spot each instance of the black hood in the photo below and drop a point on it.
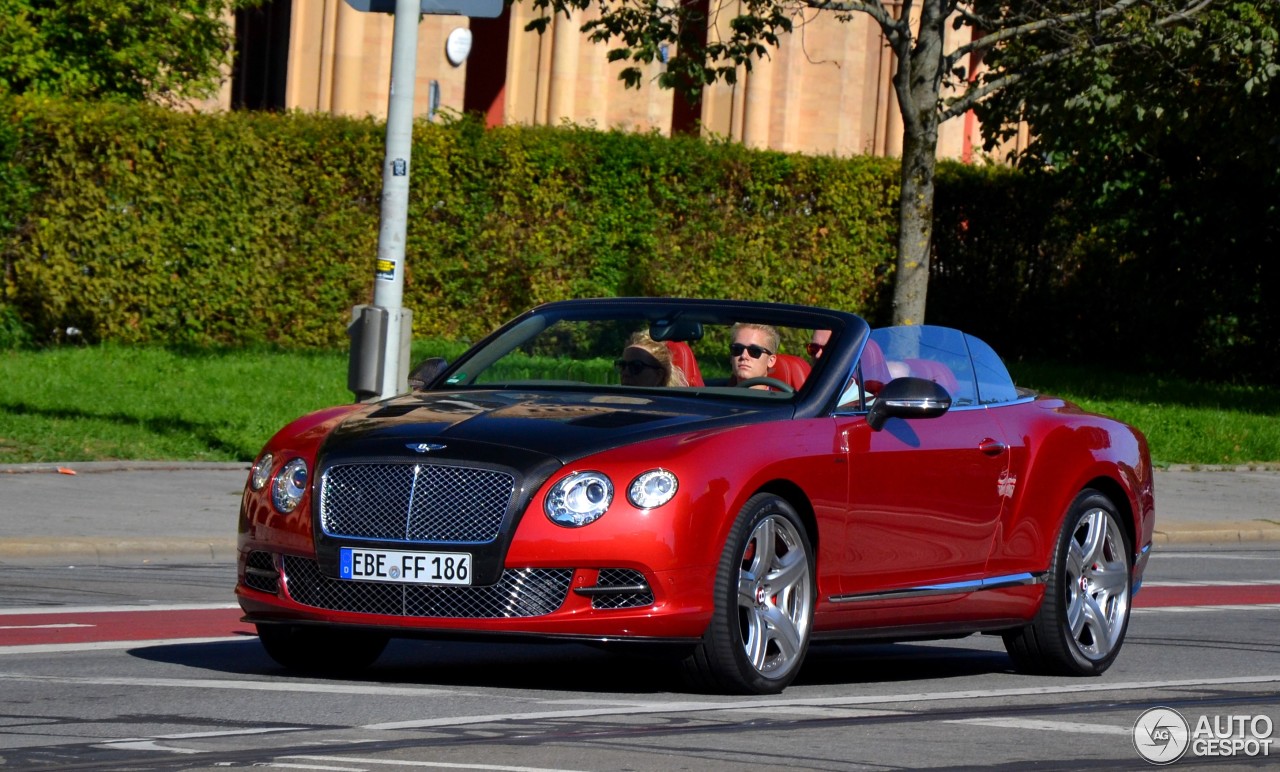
(504, 426)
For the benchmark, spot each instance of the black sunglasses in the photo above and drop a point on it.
(814, 349)
(633, 366)
(736, 349)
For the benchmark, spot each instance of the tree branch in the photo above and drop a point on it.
(1000, 35)
(973, 96)
(893, 29)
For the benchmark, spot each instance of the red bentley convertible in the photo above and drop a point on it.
(674, 473)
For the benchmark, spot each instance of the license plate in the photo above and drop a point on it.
(367, 565)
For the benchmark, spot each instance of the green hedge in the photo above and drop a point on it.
(154, 226)
(138, 224)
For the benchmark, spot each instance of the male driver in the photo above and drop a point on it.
(753, 351)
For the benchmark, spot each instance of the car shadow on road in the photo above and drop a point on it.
(579, 668)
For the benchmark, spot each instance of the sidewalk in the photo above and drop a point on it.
(103, 512)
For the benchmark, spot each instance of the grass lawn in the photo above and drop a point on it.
(117, 402)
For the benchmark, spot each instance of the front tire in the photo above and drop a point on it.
(1084, 615)
(321, 650)
(765, 590)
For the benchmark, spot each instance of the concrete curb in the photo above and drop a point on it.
(1217, 534)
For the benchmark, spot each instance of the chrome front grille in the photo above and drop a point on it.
(525, 592)
(414, 502)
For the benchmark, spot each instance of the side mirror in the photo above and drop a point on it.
(908, 398)
(426, 372)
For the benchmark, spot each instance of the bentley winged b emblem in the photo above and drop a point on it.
(424, 447)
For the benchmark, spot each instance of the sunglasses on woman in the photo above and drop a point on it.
(814, 349)
(736, 349)
(633, 366)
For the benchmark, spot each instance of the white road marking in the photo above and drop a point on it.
(60, 648)
(151, 743)
(1162, 555)
(220, 683)
(102, 609)
(42, 627)
(1046, 726)
(278, 765)
(1219, 607)
(1210, 584)
(431, 764)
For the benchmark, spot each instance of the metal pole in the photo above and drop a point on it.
(388, 284)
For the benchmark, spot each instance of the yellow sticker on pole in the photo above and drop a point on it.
(385, 269)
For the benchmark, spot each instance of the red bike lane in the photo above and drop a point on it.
(43, 628)
(53, 627)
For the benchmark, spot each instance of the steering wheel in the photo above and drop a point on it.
(765, 380)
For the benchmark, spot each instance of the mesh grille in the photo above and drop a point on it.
(628, 598)
(518, 593)
(415, 502)
(260, 573)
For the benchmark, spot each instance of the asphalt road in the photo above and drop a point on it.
(132, 667)
(103, 512)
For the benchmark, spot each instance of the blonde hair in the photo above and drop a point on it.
(659, 351)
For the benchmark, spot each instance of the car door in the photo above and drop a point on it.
(925, 494)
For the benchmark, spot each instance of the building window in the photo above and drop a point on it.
(261, 66)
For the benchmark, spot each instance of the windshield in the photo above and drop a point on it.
(747, 348)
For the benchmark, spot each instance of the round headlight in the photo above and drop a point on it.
(652, 489)
(261, 472)
(290, 484)
(579, 499)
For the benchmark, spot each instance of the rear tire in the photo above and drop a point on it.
(321, 650)
(1084, 615)
(764, 591)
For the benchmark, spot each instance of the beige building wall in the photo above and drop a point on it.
(827, 89)
(340, 60)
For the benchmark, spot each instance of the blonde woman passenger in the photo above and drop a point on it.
(647, 362)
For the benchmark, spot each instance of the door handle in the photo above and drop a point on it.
(992, 447)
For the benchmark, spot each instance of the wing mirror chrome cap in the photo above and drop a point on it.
(908, 398)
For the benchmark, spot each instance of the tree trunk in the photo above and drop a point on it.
(917, 82)
(915, 229)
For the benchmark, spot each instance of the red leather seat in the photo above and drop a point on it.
(682, 357)
(875, 370)
(790, 369)
(934, 371)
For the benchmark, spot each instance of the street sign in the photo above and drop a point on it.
(477, 9)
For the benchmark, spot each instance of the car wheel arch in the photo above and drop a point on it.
(794, 495)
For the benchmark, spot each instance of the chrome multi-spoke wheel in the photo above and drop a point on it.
(1097, 584)
(765, 592)
(1085, 612)
(774, 588)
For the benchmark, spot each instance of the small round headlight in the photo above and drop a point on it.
(579, 499)
(261, 472)
(652, 489)
(290, 484)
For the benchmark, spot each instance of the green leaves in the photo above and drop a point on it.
(129, 50)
